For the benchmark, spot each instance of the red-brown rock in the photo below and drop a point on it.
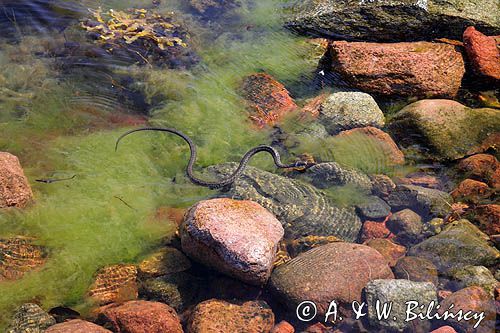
(15, 190)
(483, 53)
(444, 329)
(471, 191)
(420, 69)
(140, 317)
(487, 217)
(223, 317)
(372, 230)
(471, 299)
(382, 140)
(482, 167)
(76, 326)
(116, 283)
(19, 255)
(421, 179)
(416, 269)
(236, 237)
(268, 100)
(283, 327)
(392, 252)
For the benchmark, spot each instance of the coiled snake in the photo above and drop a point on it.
(237, 173)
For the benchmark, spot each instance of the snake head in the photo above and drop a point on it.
(303, 165)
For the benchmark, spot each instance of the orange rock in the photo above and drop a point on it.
(471, 191)
(482, 167)
(140, 317)
(15, 190)
(487, 217)
(283, 327)
(391, 251)
(268, 100)
(445, 329)
(483, 53)
(18, 256)
(405, 69)
(115, 283)
(372, 230)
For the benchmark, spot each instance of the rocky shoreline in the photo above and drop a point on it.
(247, 258)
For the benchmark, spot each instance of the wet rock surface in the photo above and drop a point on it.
(317, 277)
(471, 191)
(405, 69)
(392, 252)
(373, 208)
(30, 318)
(301, 208)
(114, 283)
(406, 225)
(424, 201)
(416, 269)
(482, 167)
(15, 190)
(475, 276)
(220, 316)
(324, 175)
(239, 238)
(212, 8)
(140, 317)
(18, 256)
(448, 128)
(399, 292)
(483, 53)
(166, 261)
(460, 244)
(392, 20)
(77, 326)
(374, 229)
(487, 218)
(350, 109)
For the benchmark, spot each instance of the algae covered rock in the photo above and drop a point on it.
(475, 276)
(426, 202)
(114, 283)
(329, 174)
(30, 318)
(18, 256)
(449, 129)
(166, 261)
(460, 244)
(302, 209)
(393, 20)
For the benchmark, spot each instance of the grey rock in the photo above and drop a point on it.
(373, 208)
(407, 225)
(348, 110)
(393, 20)
(178, 290)
(382, 185)
(426, 202)
(475, 276)
(460, 244)
(324, 175)
(399, 293)
(302, 209)
(30, 318)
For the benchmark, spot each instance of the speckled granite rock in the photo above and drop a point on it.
(460, 244)
(30, 318)
(392, 20)
(235, 237)
(407, 225)
(324, 175)
(15, 190)
(399, 292)
(336, 271)
(302, 209)
(223, 317)
(345, 110)
(19, 255)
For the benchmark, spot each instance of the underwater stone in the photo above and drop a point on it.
(416, 269)
(407, 225)
(336, 271)
(15, 190)
(324, 175)
(399, 292)
(460, 244)
(302, 209)
(18, 256)
(350, 109)
(475, 276)
(391, 251)
(483, 53)
(213, 8)
(163, 262)
(392, 20)
(223, 317)
(451, 130)
(30, 318)
(374, 208)
(77, 326)
(236, 237)
(116, 283)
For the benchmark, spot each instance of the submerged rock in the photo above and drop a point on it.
(399, 292)
(337, 271)
(416, 269)
(475, 276)
(420, 69)
(424, 201)
(30, 318)
(302, 209)
(268, 100)
(487, 218)
(391, 251)
(116, 283)
(471, 191)
(223, 317)
(19, 256)
(238, 238)
(451, 130)
(392, 20)
(77, 326)
(165, 261)
(15, 190)
(212, 8)
(140, 316)
(482, 167)
(373, 230)
(483, 53)
(350, 109)
(407, 225)
(373, 208)
(324, 175)
(460, 244)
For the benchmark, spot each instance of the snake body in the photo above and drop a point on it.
(231, 178)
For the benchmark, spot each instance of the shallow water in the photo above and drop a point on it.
(61, 112)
